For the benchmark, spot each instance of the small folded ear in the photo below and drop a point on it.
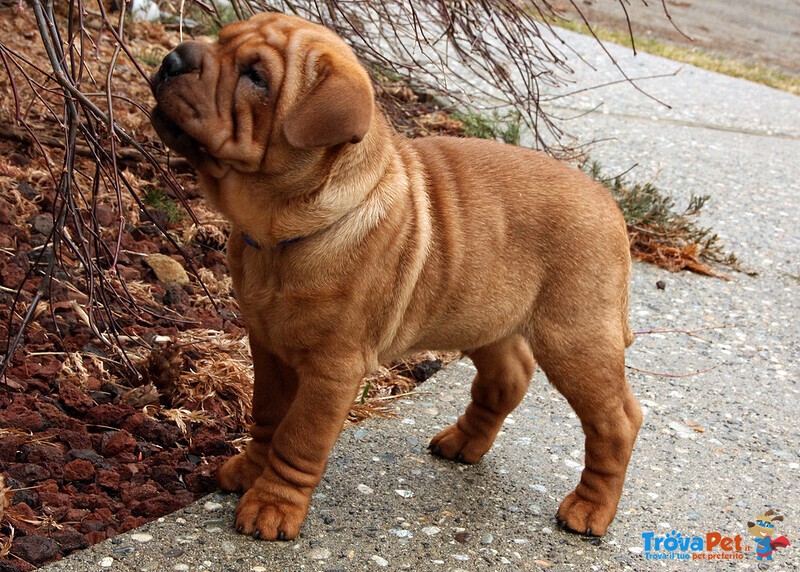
(779, 517)
(750, 524)
(337, 109)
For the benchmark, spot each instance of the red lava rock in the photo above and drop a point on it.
(34, 548)
(25, 420)
(25, 495)
(117, 442)
(95, 502)
(69, 539)
(46, 367)
(9, 446)
(6, 212)
(202, 480)
(76, 514)
(28, 473)
(11, 276)
(55, 417)
(105, 215)
(167, 477)
(210, 440)
(164, 503)
(108, 415)
(91, 525)
(79, 470)
(75, 439)
(87, 455)
(42, 453)
(74, 398)
(15, 565)
(95, 536)
(149, 429)
(129, 273)
(130, 492)
(132, 522)
(108, 479)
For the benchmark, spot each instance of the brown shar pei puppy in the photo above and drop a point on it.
(353, 246)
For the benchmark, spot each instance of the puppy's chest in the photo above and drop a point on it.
(290, 312)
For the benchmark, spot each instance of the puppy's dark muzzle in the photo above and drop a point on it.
(182, 60)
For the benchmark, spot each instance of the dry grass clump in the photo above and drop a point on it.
(664, 236)
(206, 375)
(200, 375)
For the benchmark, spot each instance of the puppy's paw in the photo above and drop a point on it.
(238, 473)
(576, 514)
(454, 444)
(272, 511)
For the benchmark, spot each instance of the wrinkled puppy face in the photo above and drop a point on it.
(269, 87)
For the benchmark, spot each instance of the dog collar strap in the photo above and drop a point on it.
(250, 242)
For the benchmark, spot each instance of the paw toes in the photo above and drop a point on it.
(582, 516)
(268, 517)
(452, 443)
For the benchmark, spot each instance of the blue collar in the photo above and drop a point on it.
(250, 242)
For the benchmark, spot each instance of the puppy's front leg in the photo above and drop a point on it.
(274, 389)
(277, 503)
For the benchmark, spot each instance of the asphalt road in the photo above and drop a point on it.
(762, 31)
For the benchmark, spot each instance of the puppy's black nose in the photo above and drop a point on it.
(183, 59)
(173, 65)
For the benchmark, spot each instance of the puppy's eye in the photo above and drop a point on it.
(252, 75)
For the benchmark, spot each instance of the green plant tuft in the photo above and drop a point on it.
(505, 128)
(156, 199)
(663, 235)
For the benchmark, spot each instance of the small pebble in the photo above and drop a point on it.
(463, 537)
(173, 553)
(431, 530)
(401, 532)
(211, 505)
(635, 549)
(123, 550)
(487, 538)
(319, 554)
(142, 537)
(362, 488)
(460, 557)
(106, 562)
(404, 493)
(181, 567)
(380, 561)
(228, 548)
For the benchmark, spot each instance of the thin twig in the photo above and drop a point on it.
(666, 374)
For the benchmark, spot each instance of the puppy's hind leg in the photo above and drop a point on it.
(587, 365)
(504, 369)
